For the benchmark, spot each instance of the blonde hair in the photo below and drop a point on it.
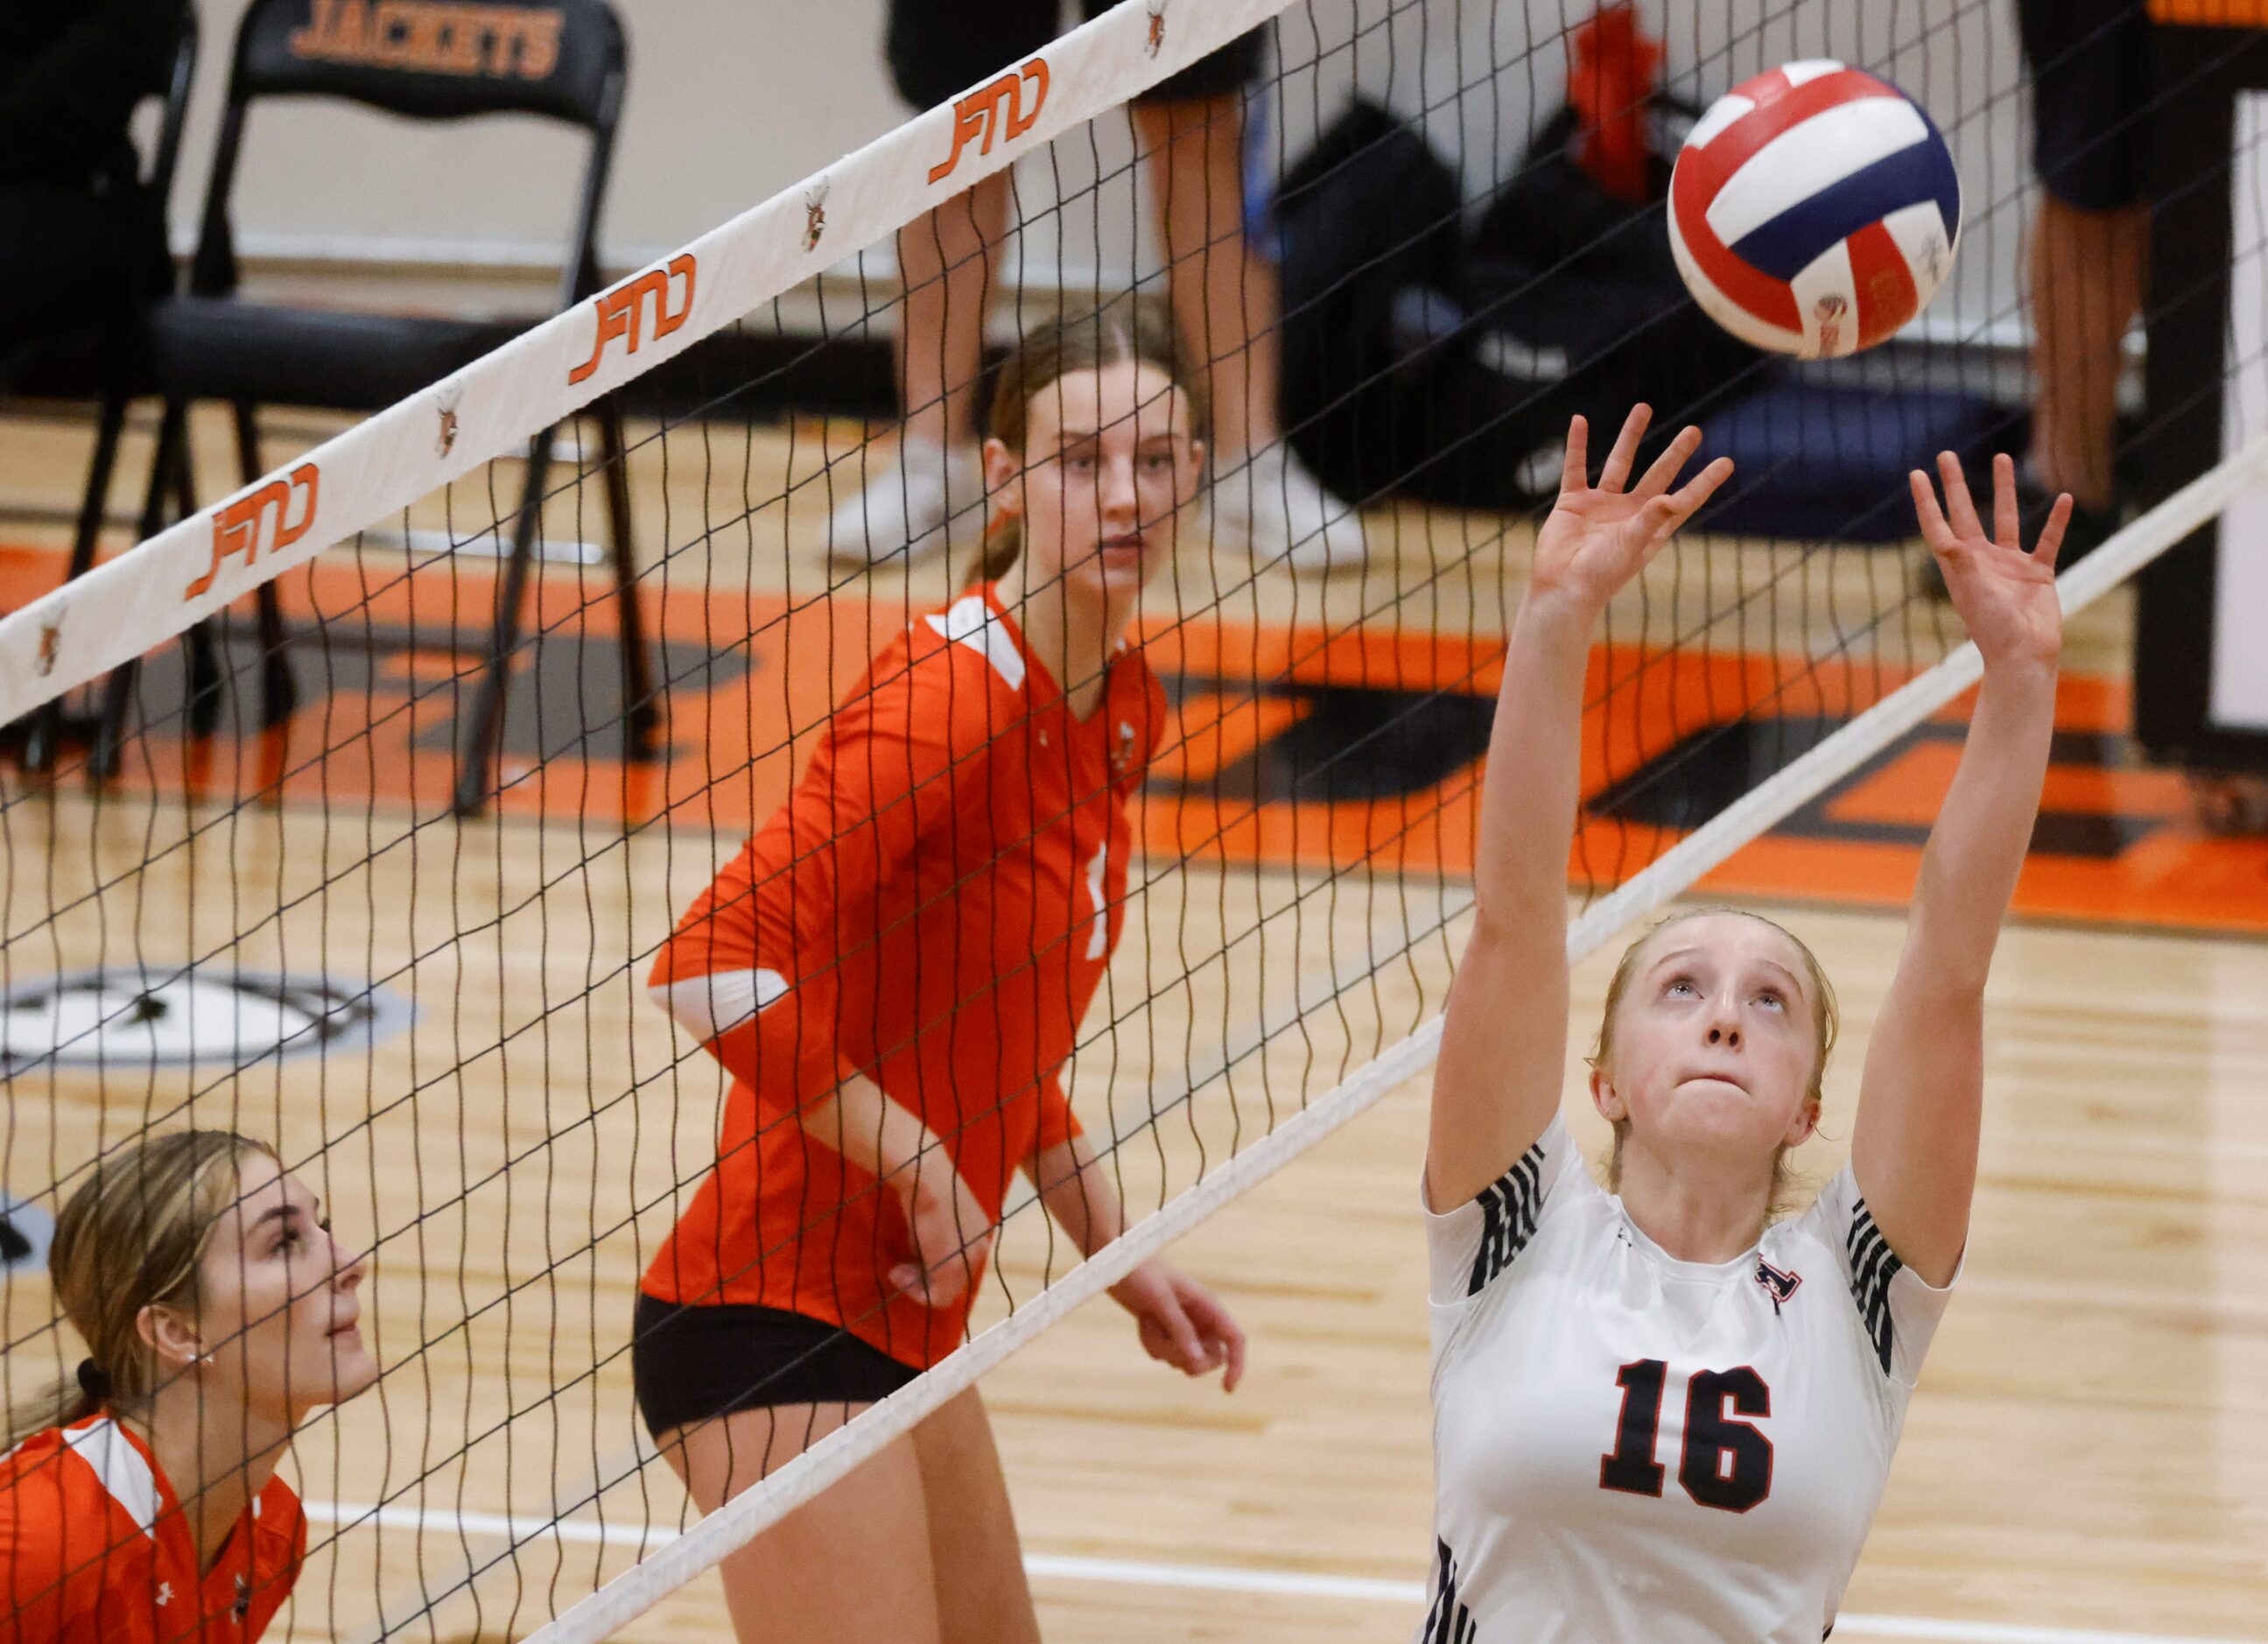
(1826, 1022)
(131, 1237)
(1130, 329)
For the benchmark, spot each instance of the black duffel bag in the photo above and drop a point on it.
(1369, 213)
(1418, 364)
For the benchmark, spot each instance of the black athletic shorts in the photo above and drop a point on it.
(2090, 62)
(939, 48)
(690, 1363)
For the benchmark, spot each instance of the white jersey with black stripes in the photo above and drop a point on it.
(1630, 1446)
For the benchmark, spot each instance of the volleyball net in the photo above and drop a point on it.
(375, 864)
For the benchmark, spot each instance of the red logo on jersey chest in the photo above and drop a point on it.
(1777, 1284)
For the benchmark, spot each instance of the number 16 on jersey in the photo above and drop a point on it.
(1725, 1462)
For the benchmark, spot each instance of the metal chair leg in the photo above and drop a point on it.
(108, 430)
(279, 691)
(484, 727)
(118, 690)
(641, 706)
(279, 687)
(45, 734)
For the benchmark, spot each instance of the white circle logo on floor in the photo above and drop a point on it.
(208, 1017)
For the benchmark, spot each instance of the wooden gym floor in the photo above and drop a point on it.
(2089, 1453)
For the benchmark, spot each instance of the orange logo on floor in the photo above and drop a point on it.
(996, 108)
(235, 527)
(498, 42)
(619, 310)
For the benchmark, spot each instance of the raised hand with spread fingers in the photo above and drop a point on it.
(2005, 596)
(1600, 536)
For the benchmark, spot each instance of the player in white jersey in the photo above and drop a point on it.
(1657, 1417)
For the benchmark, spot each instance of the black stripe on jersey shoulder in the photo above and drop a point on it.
(1873, 1266)
(1448, 1622)
(1508, 1206)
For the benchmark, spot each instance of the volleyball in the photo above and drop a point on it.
(1814, 210)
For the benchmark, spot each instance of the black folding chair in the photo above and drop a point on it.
(113, 349)
(565, 61)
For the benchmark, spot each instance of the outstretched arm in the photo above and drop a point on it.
(1504, 1039)
(1913, 1149)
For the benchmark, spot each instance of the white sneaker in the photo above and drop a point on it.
(917, 499)
(1285, 515)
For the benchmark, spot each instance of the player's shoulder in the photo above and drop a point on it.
(1543, 1217)
(971, 640)
(36, 1489)
(63, 1482)
(959, 669)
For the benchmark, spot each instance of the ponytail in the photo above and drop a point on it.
(57, 1405)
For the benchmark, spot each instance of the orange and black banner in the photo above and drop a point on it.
(2210, 13)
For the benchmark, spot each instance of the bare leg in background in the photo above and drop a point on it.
(1225, 298)
(947, 259)
(2087, 270)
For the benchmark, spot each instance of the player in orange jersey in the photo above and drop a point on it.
(217, 1311)
(893, 971)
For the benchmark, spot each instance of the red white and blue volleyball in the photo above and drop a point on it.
(1814, 210)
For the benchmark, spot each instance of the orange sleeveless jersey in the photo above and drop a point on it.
(94, 1549)
(933, 907)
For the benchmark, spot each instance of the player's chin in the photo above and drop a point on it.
(354, 1374)
(336, 1373)
(345, 1367)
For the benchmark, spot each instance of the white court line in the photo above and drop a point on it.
(1224, 1578)
(1205, 1577)
(1865, 1626)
